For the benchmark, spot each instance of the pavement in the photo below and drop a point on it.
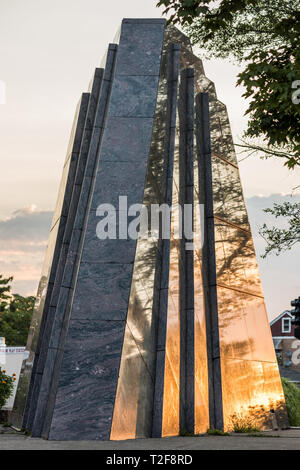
(270, 440)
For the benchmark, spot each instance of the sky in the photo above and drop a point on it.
(48, 51)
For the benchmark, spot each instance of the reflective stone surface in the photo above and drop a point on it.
(249, 371)
(201, 402)
(201, 370)
(251, 385)
(170, 425)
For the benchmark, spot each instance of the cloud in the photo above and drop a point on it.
(26, 225)
(23, 240)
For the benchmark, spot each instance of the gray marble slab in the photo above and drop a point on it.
(132, 96)
(115, 179)
(109, 286)
(137, 44)
(118, 144)
(88, 380)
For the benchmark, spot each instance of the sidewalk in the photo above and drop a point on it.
(271, 440)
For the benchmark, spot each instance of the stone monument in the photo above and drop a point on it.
(149, 336)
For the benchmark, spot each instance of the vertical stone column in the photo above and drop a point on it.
(209, 261)
(187, 330)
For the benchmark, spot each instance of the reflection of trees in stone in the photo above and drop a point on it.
(235, 341)
(243, 347)
(257, 418)
(240, 261)
(221, 137)
(256, 397)
(37, 313)
(236, 267)
(235, 258)
(227, 194)
(251, 387)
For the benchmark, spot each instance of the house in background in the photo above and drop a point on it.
(287, 347)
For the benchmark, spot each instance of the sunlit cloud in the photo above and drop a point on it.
(23, 238)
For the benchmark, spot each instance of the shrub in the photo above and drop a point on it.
(292, 400)
(6, 387)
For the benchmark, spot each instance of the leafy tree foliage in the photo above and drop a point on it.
(287, 154)
(15, 314)
(5, 295)
(236, 28)
(282, 239)
(265, 35)
(268, 80)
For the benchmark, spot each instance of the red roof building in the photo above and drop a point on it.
(287, 347)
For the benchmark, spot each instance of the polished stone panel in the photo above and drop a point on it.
(119, 146)
(131, 96)
(133, 406)
(108, 282)
(136, 49)
(246, 345)
(120, 179)
(87, 377)
(256, 391)
(237, 265)
(171, 393)
(245, 340)
(200, 342)
(170, 425)
(229, 202)
(162, 417)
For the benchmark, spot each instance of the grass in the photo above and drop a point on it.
(292, 400)
(244, 424)
(217, 432)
